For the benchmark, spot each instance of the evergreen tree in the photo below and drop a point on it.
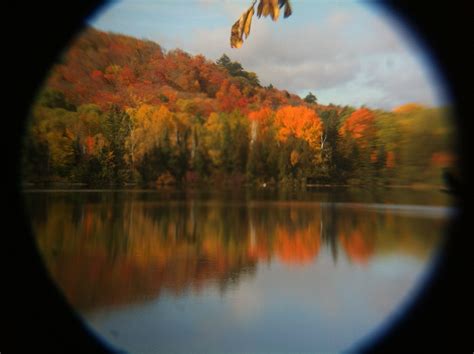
(310, 98)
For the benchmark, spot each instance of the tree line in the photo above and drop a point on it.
(151, 144)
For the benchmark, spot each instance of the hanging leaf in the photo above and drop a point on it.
(248, 22)
(241, 27)
(268, 7)
(235, 35)
(275, 10)
(260, 8)
(265, 7)
(288, 10)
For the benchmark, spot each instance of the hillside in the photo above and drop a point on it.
(105, 69)
(117, 110)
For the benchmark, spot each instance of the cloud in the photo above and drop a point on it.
(292, 58)
(353, 53)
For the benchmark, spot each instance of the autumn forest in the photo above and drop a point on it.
(116, 110)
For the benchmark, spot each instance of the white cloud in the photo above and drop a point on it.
(364, 58)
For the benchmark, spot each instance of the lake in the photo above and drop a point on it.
(238, 271)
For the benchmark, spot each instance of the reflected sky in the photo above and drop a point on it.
(209, 273)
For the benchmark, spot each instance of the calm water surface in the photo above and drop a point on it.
(233, 272)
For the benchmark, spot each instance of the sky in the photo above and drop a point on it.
(346, 52)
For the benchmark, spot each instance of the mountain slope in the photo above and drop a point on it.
(104, 68)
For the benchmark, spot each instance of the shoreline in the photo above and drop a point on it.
(136, 187)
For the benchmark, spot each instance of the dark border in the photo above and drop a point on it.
(37, 317)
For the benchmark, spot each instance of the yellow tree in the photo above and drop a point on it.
(150, 125)
(300, 122)
(213, 138)
(52, 126)
(299, 133)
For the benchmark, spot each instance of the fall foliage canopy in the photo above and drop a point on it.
(119, 110)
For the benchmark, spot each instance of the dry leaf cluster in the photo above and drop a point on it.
(265, 7)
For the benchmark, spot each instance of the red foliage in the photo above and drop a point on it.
(442, 159)
(90, 144)
(230, 98)
(127, 76)
(390, 161)
(104, 68)
(97, 75)
(261, 116)
(373, 156)
(106, 99)
(359, 124)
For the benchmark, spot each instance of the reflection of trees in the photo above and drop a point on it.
(113, 249)
(357, 245)
(356, 235)
(288, 232)
(297, 248)
(328, 228)
(116, 251)
(364, 233)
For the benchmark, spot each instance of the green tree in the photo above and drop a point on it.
(310, 98)
(116, 129)
(235, 69)
(54, 99)
(35, 157)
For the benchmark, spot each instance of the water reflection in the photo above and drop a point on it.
(113, 249)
